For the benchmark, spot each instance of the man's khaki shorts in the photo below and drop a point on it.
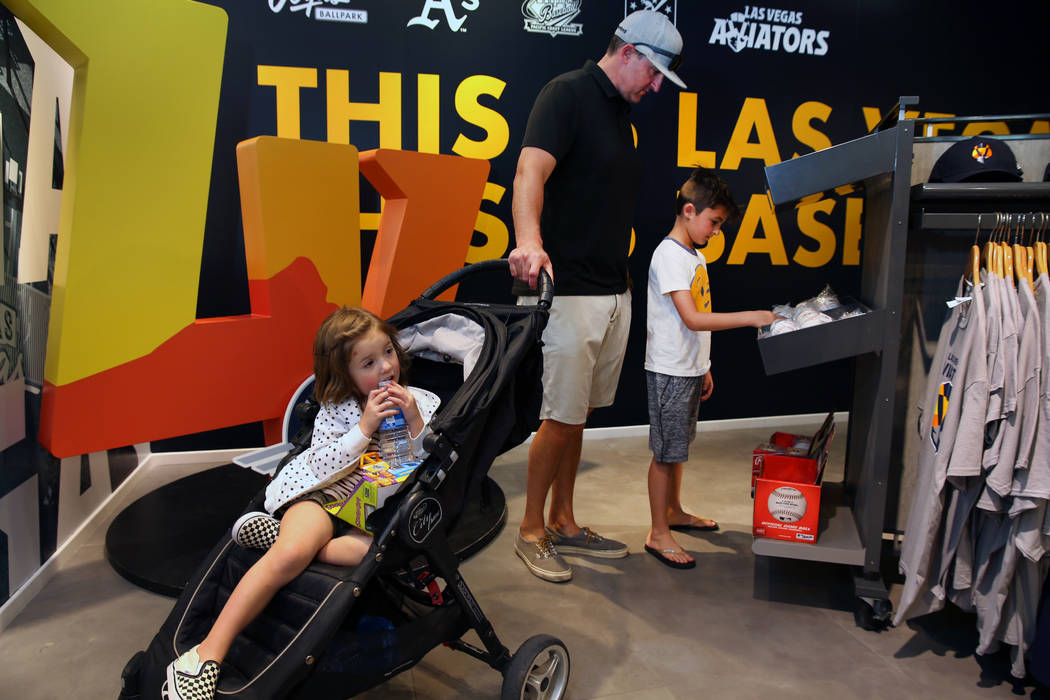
(583, 347)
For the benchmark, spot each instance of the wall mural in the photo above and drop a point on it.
(171, 302)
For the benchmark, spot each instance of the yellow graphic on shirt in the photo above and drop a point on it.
(701, 289)
(940, 413)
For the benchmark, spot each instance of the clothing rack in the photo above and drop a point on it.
(855, 513)
(947, 219)
(982, 221)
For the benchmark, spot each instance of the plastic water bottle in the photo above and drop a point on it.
(395, 443)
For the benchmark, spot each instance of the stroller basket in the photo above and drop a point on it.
(335, 631)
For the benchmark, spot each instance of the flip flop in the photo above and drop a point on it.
(670, 562)
(698, 528)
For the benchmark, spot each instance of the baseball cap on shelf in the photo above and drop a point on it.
(656, 38)
(977, 159)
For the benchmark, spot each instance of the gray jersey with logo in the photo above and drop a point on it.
(951, 439)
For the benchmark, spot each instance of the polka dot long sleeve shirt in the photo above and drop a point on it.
(335, 449)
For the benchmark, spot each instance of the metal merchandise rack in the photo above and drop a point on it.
(853, 513)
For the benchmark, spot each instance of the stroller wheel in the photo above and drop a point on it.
(538, 671)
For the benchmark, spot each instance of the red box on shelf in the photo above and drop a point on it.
(786, 483)
(786, 510)
(765, 449)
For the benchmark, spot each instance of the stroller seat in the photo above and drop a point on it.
(294, 618)
(337, 631)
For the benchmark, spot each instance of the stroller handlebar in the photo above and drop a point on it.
(546, 284)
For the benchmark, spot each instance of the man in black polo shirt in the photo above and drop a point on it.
(574, 197)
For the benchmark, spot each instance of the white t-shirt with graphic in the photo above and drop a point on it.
(670, 347)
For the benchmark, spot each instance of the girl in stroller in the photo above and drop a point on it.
(354, 352)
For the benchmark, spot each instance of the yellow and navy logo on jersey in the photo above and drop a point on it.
(940, 413)
(701, 289)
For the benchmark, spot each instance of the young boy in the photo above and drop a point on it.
(677, 354)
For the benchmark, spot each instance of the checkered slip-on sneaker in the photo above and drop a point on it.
(189, 679)
(589, 543)
(256, 530)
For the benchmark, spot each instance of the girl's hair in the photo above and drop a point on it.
(333, 348)
(704, 189)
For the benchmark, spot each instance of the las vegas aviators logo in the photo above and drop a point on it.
(981, 152)
(768, 29)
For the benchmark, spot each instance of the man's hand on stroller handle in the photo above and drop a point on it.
(527, 260)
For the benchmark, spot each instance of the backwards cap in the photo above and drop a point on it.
(653, 36)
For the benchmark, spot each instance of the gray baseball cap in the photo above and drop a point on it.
(656, 38)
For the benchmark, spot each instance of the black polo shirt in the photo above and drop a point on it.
(581, 119)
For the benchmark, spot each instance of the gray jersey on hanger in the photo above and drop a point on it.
(1038, 485)
(1033, 536)
(1000, 477)
(951, 438)
(993, 318)
(1019, 428)
(1007, 361)
(1028, 372)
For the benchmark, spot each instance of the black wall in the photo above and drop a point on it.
(961, 58)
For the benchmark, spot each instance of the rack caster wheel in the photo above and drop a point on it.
(872, 614)
(539, 670)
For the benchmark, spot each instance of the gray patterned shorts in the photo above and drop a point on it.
(674, 407)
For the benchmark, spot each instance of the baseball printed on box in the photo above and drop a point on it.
(787, 504)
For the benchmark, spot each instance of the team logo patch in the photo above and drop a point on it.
(940, 413)
(981, 152)
(552, 17)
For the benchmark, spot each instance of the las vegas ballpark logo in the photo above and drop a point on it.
(321, 10)
(769, 29)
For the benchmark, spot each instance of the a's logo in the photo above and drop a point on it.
(981, 152)
(322, 10)
(552, 16)
(668, 7)
(423, 519)
(455, 23)
(940, 413)
(769, 29)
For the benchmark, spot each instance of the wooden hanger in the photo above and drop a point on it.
(973, 263)
(1022, 270)
(1022, 266)
(1040, 246)
(1029, 250)
(993, 262)
(1008, 262)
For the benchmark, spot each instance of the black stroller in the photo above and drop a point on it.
(335, 632)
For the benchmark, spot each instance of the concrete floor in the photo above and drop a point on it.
(736, 626)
